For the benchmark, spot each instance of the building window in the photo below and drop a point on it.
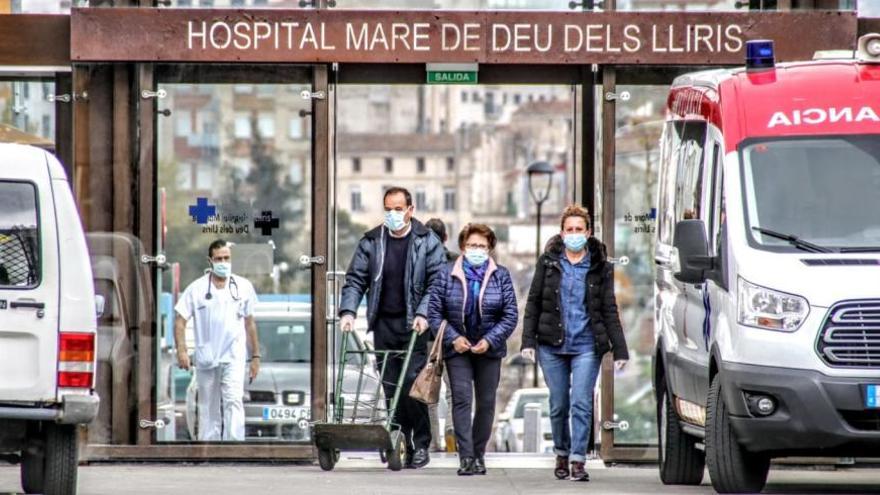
(242, 126)
(420, 165)
(389, 165)
(356, 204)
(204, 177)
(266, 125)
(448, 199)
(421, 200)
(450, 164)
(517, 99)
(296, 128)
(464, 96)
(356, 165)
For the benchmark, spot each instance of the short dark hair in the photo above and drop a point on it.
(398, 190)
(438, 227)
(480, 229)
(219, 243)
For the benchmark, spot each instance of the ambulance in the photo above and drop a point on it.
(767, 292)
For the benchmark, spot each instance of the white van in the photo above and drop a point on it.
(767, 293)
(47, 321)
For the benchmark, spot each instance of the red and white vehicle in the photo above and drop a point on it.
(768, 267)
(47, 321)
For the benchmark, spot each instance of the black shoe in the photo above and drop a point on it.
(561, 471)
(408, 460)
(467, 466)
(420, 458)
(479, 466)
(579, 472)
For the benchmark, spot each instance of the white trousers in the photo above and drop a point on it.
(221, 411)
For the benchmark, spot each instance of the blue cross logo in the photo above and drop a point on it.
(653, 215)
(202, 211)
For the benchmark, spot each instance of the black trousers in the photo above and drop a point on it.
(391, 333)
(474, 379)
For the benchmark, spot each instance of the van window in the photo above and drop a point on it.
(19, 235)
(716, 198)
(681, 177)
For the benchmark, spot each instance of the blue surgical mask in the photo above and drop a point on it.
(395, 220)
(476, 257)
(575, 242)
(222, 269)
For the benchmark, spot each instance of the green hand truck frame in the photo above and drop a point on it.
(375, 431)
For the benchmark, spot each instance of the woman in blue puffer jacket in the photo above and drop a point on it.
(476, 298)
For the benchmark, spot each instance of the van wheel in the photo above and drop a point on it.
(731, 467)
(681, 463)
(32, 471)
(61, 460)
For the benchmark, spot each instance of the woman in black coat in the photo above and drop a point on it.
(571, 320)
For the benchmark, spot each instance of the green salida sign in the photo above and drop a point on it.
(452, 73)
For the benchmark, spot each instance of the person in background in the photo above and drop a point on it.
(394, 265)
(221, 305)
(475, 296)
(439, 228)
(571, 319)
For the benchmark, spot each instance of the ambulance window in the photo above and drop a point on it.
(19, 235)
(716, 198)
(689, 183)
(669, 169)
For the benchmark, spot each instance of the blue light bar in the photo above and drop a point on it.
(759, 54)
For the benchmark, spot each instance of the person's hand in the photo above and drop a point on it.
(420, 324)
(620, 364)
(481, 347)
(255, 368)
(461, 345)
(183, 359)
(528, 354)
(347, 323)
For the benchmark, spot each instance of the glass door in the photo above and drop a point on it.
(235, 163)
(638, 122)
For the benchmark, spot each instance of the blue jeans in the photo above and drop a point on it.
(571, 379)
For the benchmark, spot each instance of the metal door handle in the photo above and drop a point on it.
(614, 425)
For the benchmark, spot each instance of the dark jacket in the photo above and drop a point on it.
(497, 306)
(364, 275)
(543, 319)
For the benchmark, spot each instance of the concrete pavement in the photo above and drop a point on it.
(364, 475)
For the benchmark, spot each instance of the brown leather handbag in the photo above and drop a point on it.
(426, 387)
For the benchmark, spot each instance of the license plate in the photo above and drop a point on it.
(280, 413)
(872, 396)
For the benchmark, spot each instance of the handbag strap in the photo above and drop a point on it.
(437, 347)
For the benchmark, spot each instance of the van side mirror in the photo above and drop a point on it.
(99, 305)
(693, 251)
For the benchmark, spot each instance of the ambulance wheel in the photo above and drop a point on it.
(61, 460)
(397, 453)
(680, 461)
(731, 467)
(328, 458)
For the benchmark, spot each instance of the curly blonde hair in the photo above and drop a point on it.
(574, 210)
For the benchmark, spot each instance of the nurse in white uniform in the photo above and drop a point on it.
(222, 307)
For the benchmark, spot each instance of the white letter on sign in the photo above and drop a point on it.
(201, 34)
(495, 30)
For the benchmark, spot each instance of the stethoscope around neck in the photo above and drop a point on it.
(232, 285)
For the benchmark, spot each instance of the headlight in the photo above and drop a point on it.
(769, 309)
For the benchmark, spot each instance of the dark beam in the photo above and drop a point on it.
(35, 39)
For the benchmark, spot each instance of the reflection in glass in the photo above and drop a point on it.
(26, 114)
(234, 163)
(637, 159)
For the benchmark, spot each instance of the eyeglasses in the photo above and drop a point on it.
(476, 246)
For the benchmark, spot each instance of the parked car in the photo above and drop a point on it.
(278, 402)
(511, 423)
(47, 321)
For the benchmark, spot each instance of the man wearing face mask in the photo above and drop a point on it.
(394, 265)
(221, 305)
(571, 318)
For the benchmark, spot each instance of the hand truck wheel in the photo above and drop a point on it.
(397, 454)
(327, 458)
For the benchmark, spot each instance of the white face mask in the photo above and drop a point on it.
(222, 269)
(395, 220)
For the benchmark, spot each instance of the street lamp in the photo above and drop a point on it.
(540, 181)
